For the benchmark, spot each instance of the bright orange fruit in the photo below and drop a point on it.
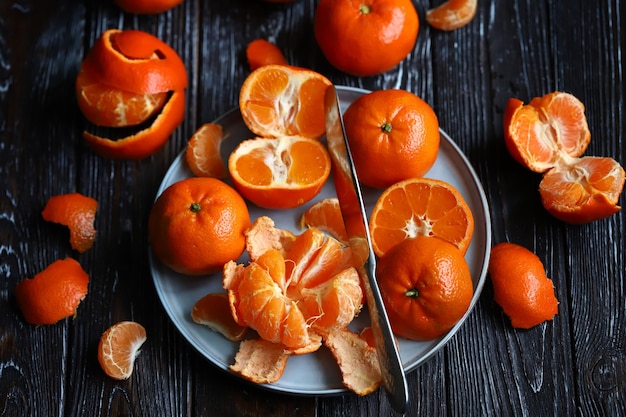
(549, 136)
(203, 152)
(262, 52)
(119, 347)
(520, 285)
(78, 213)
(54, 293)
(365, 38)
(326, 216)
(197, 225)
(213, 311)
(393, 135)
(279, 173)
(452, 14)
(280, 100)
(426, 286)
(420, 207)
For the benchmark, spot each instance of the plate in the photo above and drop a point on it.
(316, 373)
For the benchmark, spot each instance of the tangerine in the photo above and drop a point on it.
(420, 207)
(393, 135)
(118, 348)
(280, 100)
(279, 173)
(262, 52)
(54, 293)
(326, 215)
(213, 311)
(520, 285)
(203, 152)
(452, 14)
(78, 213)
(197, 225)
(426, 287)
(365, 38)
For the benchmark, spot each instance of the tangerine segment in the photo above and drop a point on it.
(585, 191)
(203, 152)
(279, 173)
(78, 213)
(54, 293)
(452, 14)
(326, 216)
(213, 311)
(118, 348)
(147, 141)
(262, 52)
(546, 132)
(279, 100)
(420, 207)
(137, 62)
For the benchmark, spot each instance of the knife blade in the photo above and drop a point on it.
(355, 218)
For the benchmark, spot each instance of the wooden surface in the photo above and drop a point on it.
(574, 365)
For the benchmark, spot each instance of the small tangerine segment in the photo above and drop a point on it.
(52, 294)
(78, 213)
(118, 348)
(420, 207)
(279, 173)
(521, 286)
(261, 52)
(203, 152)
(326, 216)
(452, 14)
(213, 311)
(280, 100)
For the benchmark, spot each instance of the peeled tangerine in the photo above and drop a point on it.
(549, 135)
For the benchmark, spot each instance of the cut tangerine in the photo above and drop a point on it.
(78, 213)
(203, 152)
(280, 100)
(452, 14)
(420, 207)
(213, 311)
(118, 348)
(279, 173)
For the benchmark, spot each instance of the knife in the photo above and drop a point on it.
(355, 219)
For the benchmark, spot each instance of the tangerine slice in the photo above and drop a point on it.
(452, 14)
(326, 216)
(118, 348)
(213, 311)
(78, 213)
(54, 293)
(420, 207)
(203, 152)
(280, 100)
(279, 173)
(262, 52)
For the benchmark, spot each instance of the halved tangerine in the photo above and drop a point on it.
(420, 207)
(279, 173)
(280, 100)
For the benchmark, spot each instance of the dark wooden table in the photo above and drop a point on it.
(574, 365)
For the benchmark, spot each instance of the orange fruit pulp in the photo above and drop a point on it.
(393, 136)
(549, 135)
(365, 38)
(203, 152)
(197, 225)
(426, 287)
(54, 293)
(279, 173)
(420, 207)
(78, 213)
(452, 14)
(262, 52)
(280, 100)
(118, 348)
(520, 285)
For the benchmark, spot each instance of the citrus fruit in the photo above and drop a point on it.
(520, 285)
(213, 311)
(131, 79)
(197, 225)
(452, 14)
(393, 135)
(549, 135)
(78, 213)
(280, 100)
(203, 152)
(262, 52)
(54, 293)
(426, 287)
(325, 215)
(147, 6)
(420, 207)
(279, 173)
(365, 38)
(293, 298)
(118, 348)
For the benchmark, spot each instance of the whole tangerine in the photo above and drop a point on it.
(197, 225)
(365, 38)
(393, 136)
